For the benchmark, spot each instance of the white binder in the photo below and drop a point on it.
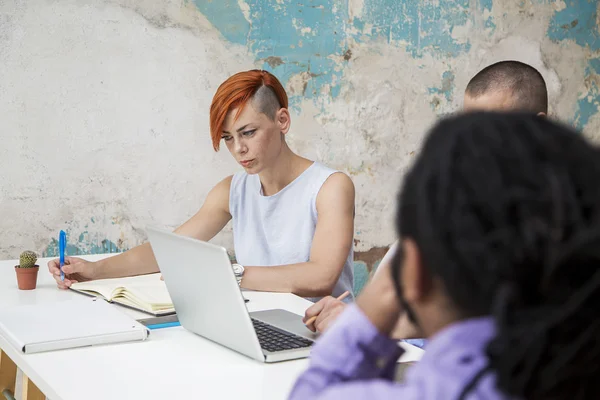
(67, 324)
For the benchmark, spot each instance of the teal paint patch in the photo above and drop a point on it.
(310, 38)
(595, 65)
(359, 24)
(227, 17)
(589, 104)
(447, 88)
(288, 39)
(82, 246)
(361, 276)
(578, 22)
(419, 26)
(487, 5)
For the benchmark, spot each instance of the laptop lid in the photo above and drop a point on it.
(205, 293)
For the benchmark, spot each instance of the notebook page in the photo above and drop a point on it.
(105, 289)
(108, 287)
(140, 305)
(152, 294)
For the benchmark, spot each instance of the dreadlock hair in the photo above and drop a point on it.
(505, 211)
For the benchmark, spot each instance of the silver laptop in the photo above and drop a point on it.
(209, 302)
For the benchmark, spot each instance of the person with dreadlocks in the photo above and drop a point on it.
(499, 266)
(503, 86)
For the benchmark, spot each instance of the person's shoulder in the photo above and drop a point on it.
(323, 169)
(338, 189)
(335, 179)
(339, 181)
(239, 179)
(226, 182)
(223, 187)
(218, 196)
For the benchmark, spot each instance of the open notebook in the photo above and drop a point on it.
(145, 293)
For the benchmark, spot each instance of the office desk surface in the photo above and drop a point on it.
(172, 363)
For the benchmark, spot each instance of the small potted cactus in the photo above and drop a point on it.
(27, 270)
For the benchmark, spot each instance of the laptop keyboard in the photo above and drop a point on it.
(274, 339)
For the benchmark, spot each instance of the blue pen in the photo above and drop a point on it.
(62, 246)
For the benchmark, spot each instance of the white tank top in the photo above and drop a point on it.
(279, 229)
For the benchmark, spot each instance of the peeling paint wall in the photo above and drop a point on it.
(104, 104)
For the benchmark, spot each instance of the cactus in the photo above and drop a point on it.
(27, 259)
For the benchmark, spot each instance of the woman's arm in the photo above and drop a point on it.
(204, 225)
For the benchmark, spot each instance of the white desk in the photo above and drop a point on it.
(173, 363)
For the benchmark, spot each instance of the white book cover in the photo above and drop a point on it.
(87, 322)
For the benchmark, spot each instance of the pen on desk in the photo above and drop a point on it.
(62, 244)
(340, 298)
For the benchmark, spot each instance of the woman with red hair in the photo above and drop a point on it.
(290, 214)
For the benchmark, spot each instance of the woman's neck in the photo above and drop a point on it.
(287, 167)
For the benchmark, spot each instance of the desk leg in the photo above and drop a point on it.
(8, 373)
(30, 391)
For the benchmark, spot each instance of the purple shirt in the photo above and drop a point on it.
(354, 361)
